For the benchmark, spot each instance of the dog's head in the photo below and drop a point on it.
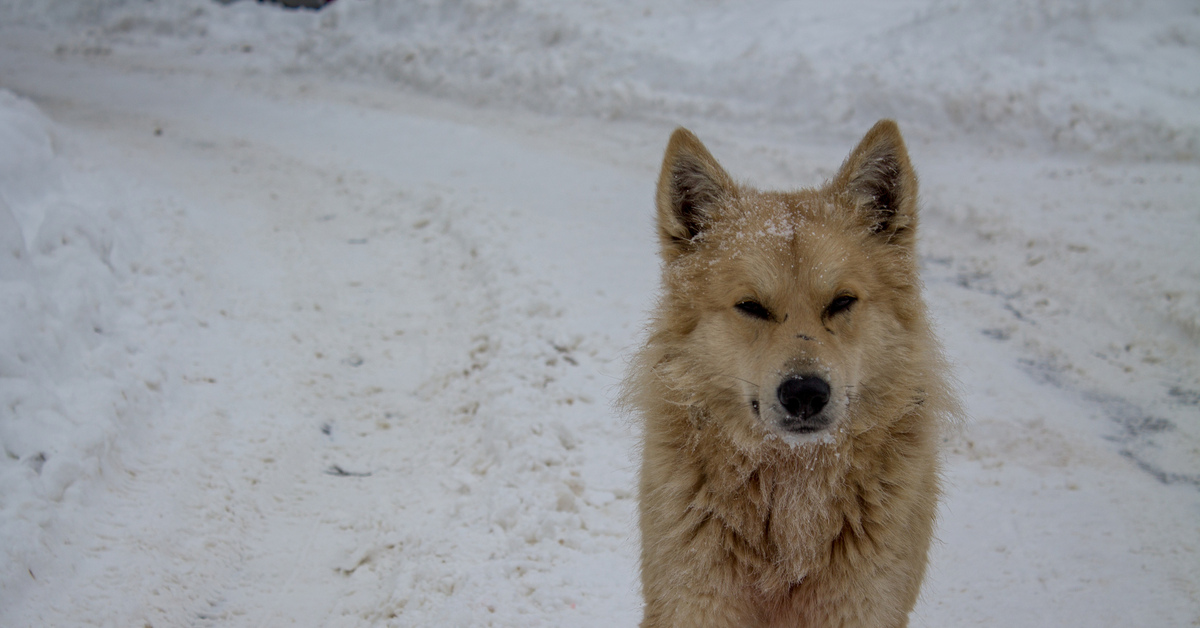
(788, 312)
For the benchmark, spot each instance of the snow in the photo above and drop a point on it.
(316, 318)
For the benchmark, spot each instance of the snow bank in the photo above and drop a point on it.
(71, 381)
(1117, 77)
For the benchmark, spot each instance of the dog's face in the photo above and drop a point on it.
(789, 308)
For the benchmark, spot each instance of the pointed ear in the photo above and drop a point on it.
(880, 183)
(690, 187)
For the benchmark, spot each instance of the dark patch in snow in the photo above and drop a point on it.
(342, 473)
(998, 334)
(1017, 313)
(1165, 477)
(1185, 396)
(1042, 372)
(37, 462)
(972, 281)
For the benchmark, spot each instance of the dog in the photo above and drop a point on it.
(792, 398)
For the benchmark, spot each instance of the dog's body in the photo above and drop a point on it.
(792, 395)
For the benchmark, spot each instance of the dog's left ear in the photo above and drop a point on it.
(879, 182)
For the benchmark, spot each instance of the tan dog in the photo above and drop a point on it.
(792, 395)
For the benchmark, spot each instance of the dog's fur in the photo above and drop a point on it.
(754, 513)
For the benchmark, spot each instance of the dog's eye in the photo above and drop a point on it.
(755, 309)
(839, 304)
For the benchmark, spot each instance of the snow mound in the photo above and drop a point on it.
(1117, 77)
(70, 381)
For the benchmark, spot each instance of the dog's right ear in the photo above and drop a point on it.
(690, 187)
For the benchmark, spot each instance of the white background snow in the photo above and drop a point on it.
(317, 318)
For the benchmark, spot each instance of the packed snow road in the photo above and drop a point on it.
(386, 385)
(354, 353)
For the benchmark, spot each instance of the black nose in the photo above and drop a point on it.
(803, 397)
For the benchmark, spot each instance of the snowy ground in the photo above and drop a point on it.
(316, 318)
